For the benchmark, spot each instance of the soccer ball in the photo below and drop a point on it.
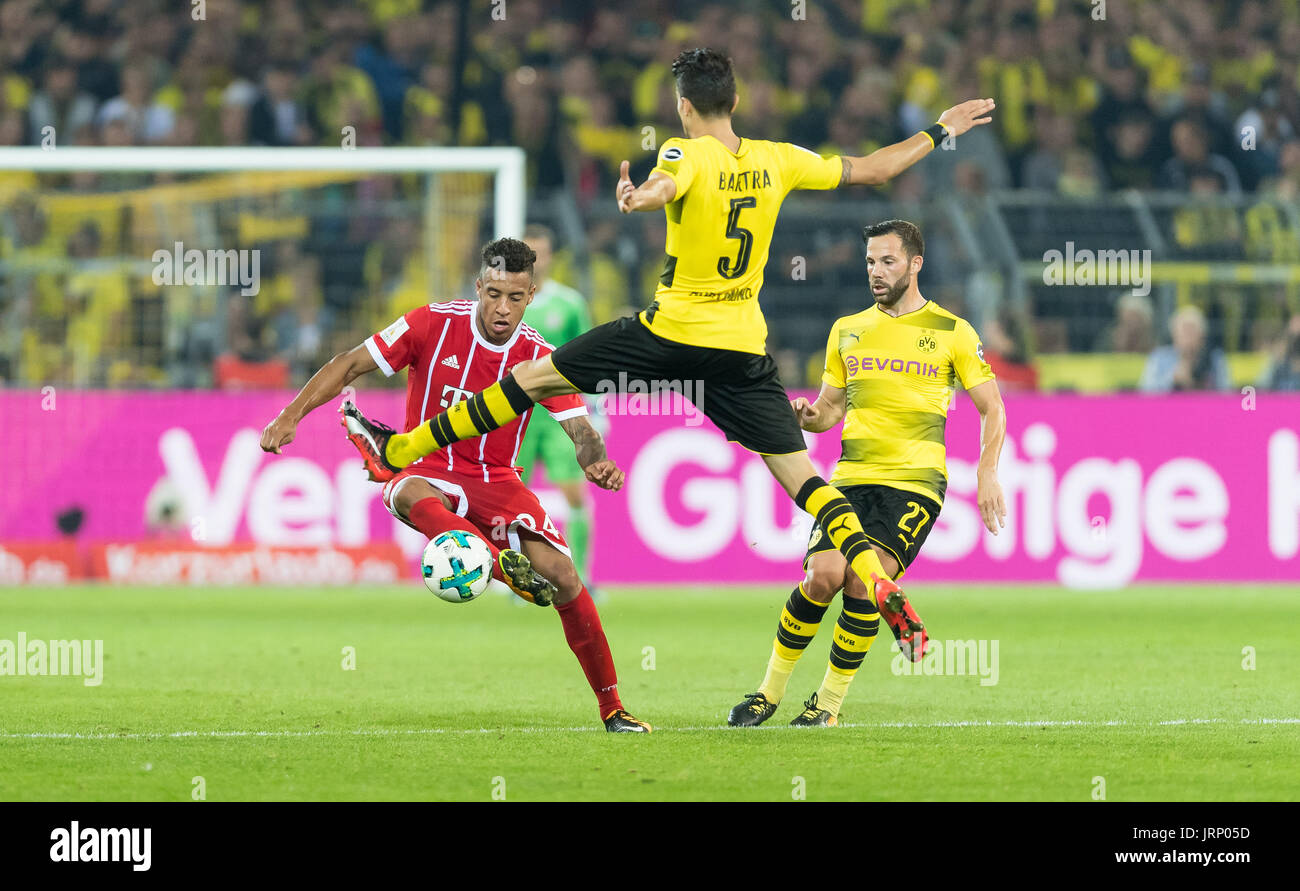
(457, 566)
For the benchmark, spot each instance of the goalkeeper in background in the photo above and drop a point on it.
(559, 314)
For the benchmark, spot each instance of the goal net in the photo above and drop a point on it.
(195, 267)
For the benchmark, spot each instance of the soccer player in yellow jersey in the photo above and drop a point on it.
(721, 194)
(890, 376)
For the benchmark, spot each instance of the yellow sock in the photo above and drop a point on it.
(482, 413)
(855, 631)
(403, 448)
(830, 695)
(777, 678)
(800, 618)
(870, 562)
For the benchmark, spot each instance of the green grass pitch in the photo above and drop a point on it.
(246, 688)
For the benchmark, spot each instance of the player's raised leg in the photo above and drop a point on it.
(419, 504)
(583, 631)
(527, 383)
(832, 511)
(743, 395)
(593, 362)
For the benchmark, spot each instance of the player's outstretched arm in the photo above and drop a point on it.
(993, 429)
(324, 385)
(884, 164)
(589, 449)
(652, 194)
(823, 414)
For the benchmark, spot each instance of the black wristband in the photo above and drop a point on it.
(937, 133)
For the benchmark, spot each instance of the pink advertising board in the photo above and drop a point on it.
(1102, 490)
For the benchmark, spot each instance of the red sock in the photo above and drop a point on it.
(586, 638)
(432, 518)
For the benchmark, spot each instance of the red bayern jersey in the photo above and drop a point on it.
(450, 360)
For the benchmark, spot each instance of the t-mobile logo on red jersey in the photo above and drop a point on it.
(451, 395)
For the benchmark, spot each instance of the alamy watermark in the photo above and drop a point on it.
(634, 396)
(90, 844)
(952, 658)
(1131, 268)
(66, 658)
(195, 267)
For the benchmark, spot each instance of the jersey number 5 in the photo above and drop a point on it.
(725, 267)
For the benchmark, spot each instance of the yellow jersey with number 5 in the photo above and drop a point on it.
(719, 232)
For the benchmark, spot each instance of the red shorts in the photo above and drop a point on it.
(495, 509)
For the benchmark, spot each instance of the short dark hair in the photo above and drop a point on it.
(510, 255)
(907, 232)
(704, 76)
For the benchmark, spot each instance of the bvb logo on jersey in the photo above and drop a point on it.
(816, 535)
(926, 343)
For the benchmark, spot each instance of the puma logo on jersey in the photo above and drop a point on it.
(452, 362)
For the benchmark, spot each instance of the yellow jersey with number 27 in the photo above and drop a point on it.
(900, 375)
(719, 232)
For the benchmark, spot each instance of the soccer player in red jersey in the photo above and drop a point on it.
(451, 351)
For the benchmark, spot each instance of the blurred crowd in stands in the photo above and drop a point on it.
(1177, 94)
(1192, 96)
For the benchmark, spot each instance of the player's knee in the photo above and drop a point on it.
(792, 470)
(887, 561)
(406, 498)
(822, 582)
(411, 494)
(855, 588)
(539, 379)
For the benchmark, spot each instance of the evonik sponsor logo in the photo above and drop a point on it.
(853, 365)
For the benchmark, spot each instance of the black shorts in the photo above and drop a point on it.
(896, 520)
(739, 392)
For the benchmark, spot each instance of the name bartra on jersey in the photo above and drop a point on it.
(744, 180)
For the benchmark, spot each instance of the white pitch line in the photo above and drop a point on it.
(431, 731)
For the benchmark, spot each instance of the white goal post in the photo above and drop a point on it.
(365, 233)
(506, 163)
